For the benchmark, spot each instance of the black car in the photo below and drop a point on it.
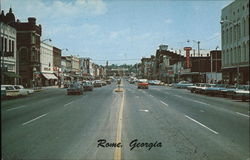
(88, 86)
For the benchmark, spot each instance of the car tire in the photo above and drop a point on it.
(243, 99)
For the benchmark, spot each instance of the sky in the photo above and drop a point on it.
(123, 31)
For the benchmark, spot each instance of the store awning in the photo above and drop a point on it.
(12, 74)
(49, 76)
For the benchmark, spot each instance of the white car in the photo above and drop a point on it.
(22, 89)
(10, 90)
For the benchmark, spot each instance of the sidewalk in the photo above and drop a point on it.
(38, 89)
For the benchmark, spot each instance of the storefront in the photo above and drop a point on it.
(48, 79)
(10, 78)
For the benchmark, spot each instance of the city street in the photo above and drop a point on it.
(181, 125)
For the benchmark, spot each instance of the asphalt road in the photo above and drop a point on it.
(175, 124)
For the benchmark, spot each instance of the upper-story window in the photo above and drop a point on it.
(33, 38)
(13, 46)
(9, 49)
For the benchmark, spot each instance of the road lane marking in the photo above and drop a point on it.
(117, 153)
(164, 103)
(178, 96)
(202, 111)
(201, 124)
(151, 95)
(144, 110)
(201, 102)
(34, 119)
(68, 104)
(193, 100)
(243, 114)
(15, 108)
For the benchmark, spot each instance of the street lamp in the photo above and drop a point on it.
(48, 39)
(198, 42)
(236, 34)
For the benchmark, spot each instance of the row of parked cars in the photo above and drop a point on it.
(80, 87)
(8, 91)
(144, 83)
(224, 90)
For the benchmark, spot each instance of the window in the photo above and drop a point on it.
(239, 32)
(239, 55)
(5, 44)
(9, 49)
(13, 47)
(33, 38)
(1, 46)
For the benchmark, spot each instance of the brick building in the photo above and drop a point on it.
(28, 49)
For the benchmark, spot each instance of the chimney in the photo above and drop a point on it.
(32, 20)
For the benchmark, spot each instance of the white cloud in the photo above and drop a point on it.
(56, 9)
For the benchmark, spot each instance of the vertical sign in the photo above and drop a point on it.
(187, 49)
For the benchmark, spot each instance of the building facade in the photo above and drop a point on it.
(28, 49)
(8, 49)
(235, 42)
(57, 53)
(47, 65)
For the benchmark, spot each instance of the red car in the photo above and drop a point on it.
(142, 83)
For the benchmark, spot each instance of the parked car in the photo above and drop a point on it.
(203, 86)
(66, 84)
(3, 92)
(182, 84)
(104, 83)
(151, 82)
(241, 92)
(23, 90)
(215, 89)
(108, 81)
(75, 88)
(87, 86)
(142, 83)
(97, 83)
(10, 91)
(193, 87)
(228, 91)
(154, 82)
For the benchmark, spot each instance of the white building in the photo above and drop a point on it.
(46, 60)
(235, 41)
(8, 54)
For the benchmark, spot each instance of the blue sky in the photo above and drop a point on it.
(123, 29)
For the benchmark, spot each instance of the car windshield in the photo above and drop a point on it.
(17, 87)
(125, 79)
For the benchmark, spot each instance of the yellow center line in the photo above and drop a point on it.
(117, 153)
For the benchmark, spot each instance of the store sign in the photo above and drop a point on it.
(46, 69)
(187, 49)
